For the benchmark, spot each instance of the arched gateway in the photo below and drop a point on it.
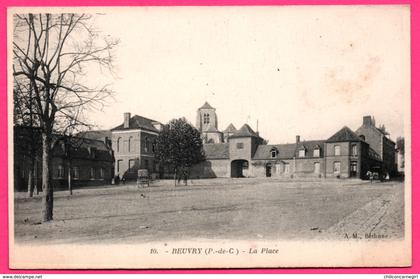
(237, 168)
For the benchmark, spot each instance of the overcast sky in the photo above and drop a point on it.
(297, 70)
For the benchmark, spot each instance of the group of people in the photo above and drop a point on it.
(374, 175)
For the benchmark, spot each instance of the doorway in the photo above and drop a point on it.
(237, 168)
(268, 168)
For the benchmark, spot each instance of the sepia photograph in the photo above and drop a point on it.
(209, 137)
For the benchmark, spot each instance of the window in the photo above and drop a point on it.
(353, 169)
(337, 150)
(118, 144)
(76, 172)
(102, 173)
(273, 153)
(119, 165)
(206, 118)
(354, 150)
(146, 144)
(60, 171)
(130, 142)
(316, 152)
(92, 152)
(146, 164)
(337, 167)
(92, 173)
(240, 145)
(286, 168)
(302, 153)
(317, 167)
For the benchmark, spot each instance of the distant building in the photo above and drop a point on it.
(207, 124)
(241, 153)
(83, 160)
(379, 141)
(133, 145)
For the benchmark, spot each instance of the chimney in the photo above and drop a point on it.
(297, 139)
(368, 121)
(127, 117)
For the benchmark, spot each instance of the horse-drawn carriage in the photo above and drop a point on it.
(143, 178)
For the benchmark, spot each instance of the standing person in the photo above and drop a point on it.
(369, 174)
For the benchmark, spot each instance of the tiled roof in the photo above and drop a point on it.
(345, 134)
(230, 129)
(138, 122)
(102, 151)
(216, 150)
(96, 135)
(359, 131)
(244, 131)
(79, 146)
(206, 106)
(310, 146)
(285, 151)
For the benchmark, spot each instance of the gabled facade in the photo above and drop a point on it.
(207, 124)
(242, 152)
(82, 160)
(133, 145)
(379, 141)
(228, 132)
(345, 154)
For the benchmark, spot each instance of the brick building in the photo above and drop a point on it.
(83, 160)
(380, 142)
(242, 153)
(133, 145)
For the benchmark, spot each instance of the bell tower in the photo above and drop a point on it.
(207, 124)
(206, 118)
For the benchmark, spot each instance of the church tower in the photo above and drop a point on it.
(207, 124)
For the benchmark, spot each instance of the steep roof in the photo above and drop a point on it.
(345, 134)
(95, 135)
(216, 150)
(230, 129)
(311, 144)
(245, 131)
(138, 122)
(285, 151)
(206, 106)
(360, 131)
(80, 147)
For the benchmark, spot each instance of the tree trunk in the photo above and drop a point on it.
(32, 177)
(69, 177)
(174, 177)
(36, 186)
(30, 182)
(47, 189)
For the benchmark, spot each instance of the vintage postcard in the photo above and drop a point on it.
(209, 137)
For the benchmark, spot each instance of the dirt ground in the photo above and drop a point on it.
(242, 208)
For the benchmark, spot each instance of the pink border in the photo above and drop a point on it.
(415, 100)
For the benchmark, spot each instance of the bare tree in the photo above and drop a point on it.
(24, 115)
(53, 54)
